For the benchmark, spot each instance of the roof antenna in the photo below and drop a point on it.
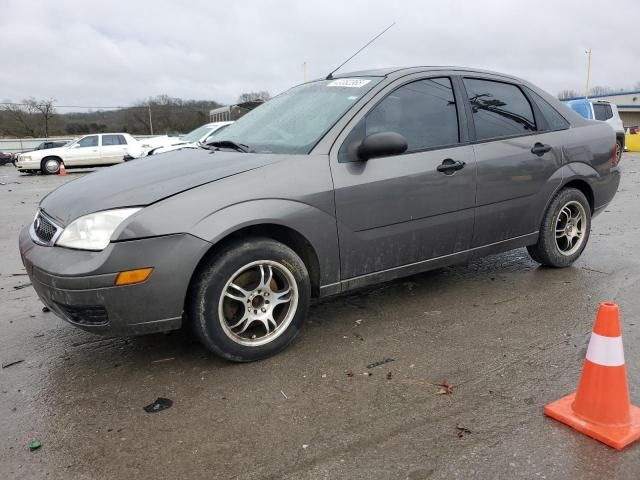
(330, 76)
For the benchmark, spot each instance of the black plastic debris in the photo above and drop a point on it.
(380, 362)
(159, 405)
(21, 286)
(46, 309)
(11, 363)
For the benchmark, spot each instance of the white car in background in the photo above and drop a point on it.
(89, 151)
(191, 139)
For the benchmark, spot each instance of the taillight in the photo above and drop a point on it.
(616, 155)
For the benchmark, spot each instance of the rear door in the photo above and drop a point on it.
(517, 156)
(401, 209)
(113, 150)
(85, 152)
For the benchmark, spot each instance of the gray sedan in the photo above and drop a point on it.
(335, 184)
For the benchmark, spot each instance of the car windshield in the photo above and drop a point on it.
(197, 134)
(294, 121)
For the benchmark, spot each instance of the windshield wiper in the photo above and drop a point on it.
(238, 147)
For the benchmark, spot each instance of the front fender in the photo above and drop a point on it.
(315, 225)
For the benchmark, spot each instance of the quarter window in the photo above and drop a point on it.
(424, 112)
(91, 141)
(499, 109)
(555, 121)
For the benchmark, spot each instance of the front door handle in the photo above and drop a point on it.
(540, 149)
(449, 166)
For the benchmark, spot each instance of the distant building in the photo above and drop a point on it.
(628, 104)
(231, 113)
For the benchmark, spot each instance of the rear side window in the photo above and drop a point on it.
(499, 109)
(109, 140)
(424, 112)
(555, 121)
(602, 111)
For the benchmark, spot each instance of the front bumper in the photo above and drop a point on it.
(79, 286)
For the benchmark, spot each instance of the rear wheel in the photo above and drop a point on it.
(565, 230)
(50, 166)
(249, 301)
(620, 149)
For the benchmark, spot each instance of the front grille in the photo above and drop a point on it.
(43, 230)
(85, 315)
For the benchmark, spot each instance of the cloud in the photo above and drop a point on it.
(114, 53)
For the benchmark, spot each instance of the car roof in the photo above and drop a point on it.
(394, 72)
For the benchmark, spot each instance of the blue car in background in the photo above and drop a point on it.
(603, 111)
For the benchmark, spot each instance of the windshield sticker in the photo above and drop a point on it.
(349, 82)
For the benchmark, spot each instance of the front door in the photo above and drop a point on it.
(85, 152)
(397, 210)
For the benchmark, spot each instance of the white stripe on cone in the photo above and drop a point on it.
(605, 351)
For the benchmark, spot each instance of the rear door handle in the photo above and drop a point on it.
(449, 166)
(540, 149)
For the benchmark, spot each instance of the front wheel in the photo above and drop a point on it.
(565, 230)
(50, 166)
(249, 301)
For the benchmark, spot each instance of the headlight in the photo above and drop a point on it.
(24, 158)
(94, 231)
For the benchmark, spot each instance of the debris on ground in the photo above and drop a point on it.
(45, 309)
(358, 336)
(168, 359)
(358, 322)
(380, 362)
(462, 431)
(21, 286)
(349, 373)
(367, 374)
(445, 388)
(159, 405)
(35, 445)
(305, 446)
(389, 376)
(284, 395)
(11, 363)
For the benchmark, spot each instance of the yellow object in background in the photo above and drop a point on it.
(632, 142)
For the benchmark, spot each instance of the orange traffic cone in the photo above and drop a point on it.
(62, 171)
(600, 408)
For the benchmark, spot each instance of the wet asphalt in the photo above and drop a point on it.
(354, 397)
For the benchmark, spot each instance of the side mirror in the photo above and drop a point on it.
(382, 144)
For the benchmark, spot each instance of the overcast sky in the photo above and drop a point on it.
(116, 52)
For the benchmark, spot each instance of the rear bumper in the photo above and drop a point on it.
(79, 286)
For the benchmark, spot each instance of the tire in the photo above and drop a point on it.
(565, 230)
(234, 325)
(620, 149)
(50, 166)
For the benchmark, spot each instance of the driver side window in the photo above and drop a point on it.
(91, 141)
(424, 112)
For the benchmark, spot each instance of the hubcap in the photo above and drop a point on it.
(51, 166)
(571, 227)
(258, 303)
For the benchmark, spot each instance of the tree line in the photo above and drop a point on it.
(593, 91)
(162, 114)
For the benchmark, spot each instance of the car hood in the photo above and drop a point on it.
(147, 180)
(46, 152)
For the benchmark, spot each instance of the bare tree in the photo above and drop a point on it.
(567, 93)
(600, 90)
(21, 120)
(254, 96)
(45, 109)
